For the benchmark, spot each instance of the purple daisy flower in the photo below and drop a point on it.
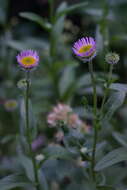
(85, 48)
(28, 59)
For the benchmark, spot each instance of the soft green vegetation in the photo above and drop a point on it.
(84, 148)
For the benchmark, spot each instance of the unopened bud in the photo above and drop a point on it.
(112, 58)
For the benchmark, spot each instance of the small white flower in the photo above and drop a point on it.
(40, 157)
(83, 150)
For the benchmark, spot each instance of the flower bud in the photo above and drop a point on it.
(112, 58)
(22, 84)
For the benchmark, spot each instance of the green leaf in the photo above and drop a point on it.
(2, 16)
(100, 149)
(56, 151)
(61, 7)
(113, 103)
(114, 171)
(7, 139)
(17, 45)
(72, 8)
(119, 87)
(56, 32)
(13, 181)
(84, 80)
(106, 187)
(36, 18)
(27, 165)
(33, 126)
(59, 24)
(82, 186)
(113, 157)
(97, 13)
(67, 79)
(120, 138)
(42, 180)
(3, 11)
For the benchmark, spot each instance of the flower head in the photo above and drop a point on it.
(10, 105)
(28, 59)
(112, 58)
(85, 48)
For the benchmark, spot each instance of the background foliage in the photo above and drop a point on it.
(60, 77)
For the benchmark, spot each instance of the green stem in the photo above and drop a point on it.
(28, 133)
(94, 120)
(106, 89)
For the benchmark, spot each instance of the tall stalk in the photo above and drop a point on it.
(94, 119)
(28, 131)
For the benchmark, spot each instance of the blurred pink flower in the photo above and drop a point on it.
(64, 113)
(59, 113)
(86, 128)
(74, 120)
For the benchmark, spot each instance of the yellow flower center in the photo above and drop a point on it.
(27, 61)
(85, 48)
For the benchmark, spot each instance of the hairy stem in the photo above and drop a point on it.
(94, 120)
(28, 133)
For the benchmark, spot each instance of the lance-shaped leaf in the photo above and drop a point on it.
(113, 157)
(120, 138)
(56, 151)
(27, 165)
(71, 9)
(13, 181)
(56, 31)
(67, 79)
(119, 87)
(42, 180)
(106, 187)
(113, 103)
(36, 18)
